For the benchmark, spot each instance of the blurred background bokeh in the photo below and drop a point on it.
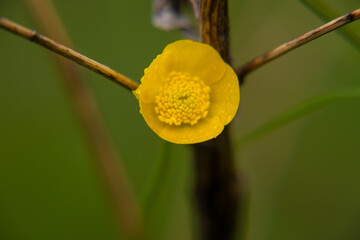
(303, 180)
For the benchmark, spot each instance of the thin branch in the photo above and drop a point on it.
(114, 180)
(68, 53)
(327, 12)
(297, 42)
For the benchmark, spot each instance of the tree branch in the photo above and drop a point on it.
(214, 26)
(297, 42)
(68, 53)
(216, 184)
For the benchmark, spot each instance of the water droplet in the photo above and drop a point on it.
(229, 118)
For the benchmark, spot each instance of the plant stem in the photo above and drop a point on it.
(216, 184)
(297, 42)
(68, 53)
(121, 197)
(157, 178)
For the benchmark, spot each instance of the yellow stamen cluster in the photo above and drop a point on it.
(182, 99)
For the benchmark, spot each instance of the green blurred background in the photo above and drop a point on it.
(303, 179)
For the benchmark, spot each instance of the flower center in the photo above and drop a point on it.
(182, 99)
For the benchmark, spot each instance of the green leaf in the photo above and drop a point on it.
(298, 111)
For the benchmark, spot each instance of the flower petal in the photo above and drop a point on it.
(199, 59)
(225, 97)
(204, 130)
(154, 76)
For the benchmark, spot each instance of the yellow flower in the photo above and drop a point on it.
(188, 93)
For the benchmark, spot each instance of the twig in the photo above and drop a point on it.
(68, 53)
(324, 10)
(99, 142)
(297, 42)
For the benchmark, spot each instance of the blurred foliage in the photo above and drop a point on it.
(302, 179)
(297, 112)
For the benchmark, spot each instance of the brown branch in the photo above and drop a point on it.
(297, 42)
(216, 184)
(68, 53)
(327, 12)
(99, 142)
(214, 26)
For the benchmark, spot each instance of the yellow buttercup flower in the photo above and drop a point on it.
(188, 93)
